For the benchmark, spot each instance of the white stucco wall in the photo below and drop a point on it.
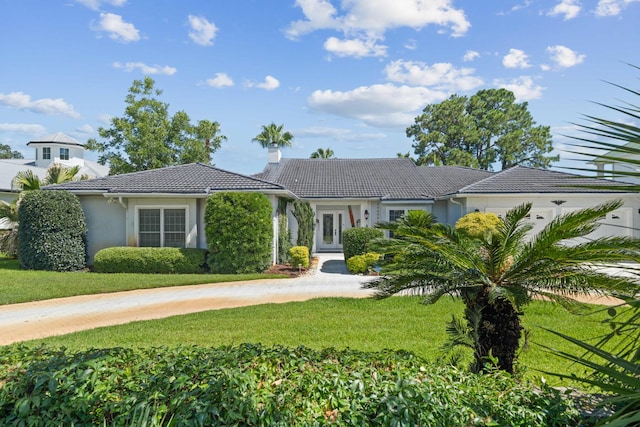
(105, 223)
(623, 222)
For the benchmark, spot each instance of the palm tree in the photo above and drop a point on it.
(272, 134)
(321, 153)
(499, 274)
(56, 174)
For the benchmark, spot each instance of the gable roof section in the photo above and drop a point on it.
(194, 178)
(449, 179)
(387, 179)
(521, 179)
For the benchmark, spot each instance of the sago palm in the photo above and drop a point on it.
(273, 134)
(497, 276)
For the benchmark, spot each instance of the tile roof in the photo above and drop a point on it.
(194, 178)
(446, 180)
(521, 179)
(389, 179)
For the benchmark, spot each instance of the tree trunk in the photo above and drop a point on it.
(497, 331)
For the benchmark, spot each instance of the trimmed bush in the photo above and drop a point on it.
(355, 240)
(299, 255)
(52, 234)
(239, 232)
(150, 260)
(478, 225)
(360, 264)
(253, 385)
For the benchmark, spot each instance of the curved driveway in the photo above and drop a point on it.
(21, 322)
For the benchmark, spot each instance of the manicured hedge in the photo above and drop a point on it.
(239, 232)
(299, 255)
(150, 260)
(252, 385)
(52, 234)
(360, 264)
(355, 240)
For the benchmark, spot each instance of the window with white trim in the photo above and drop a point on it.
(46, 153)
(64, 154)
(162, 227)
(394, 215)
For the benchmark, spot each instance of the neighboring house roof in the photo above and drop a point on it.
(521, 179)
(387, 179)
(57, 138)
(9, 168)
(194, 178)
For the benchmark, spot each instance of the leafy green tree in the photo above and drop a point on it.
(273, 134)
(7, 153)
(486, 128)
(146, 137)
(496, 276)
(322, 153)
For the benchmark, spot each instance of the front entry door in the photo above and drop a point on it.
(330, 232)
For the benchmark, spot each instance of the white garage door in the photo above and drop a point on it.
(616, 223)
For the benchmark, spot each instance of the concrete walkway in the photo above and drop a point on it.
(21, 322)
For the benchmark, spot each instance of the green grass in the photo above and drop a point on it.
(27, 285)
(360, 324)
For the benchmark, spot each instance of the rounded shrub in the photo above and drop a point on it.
(355, 240)
(299, 256)
(478, 225)
(239, 232)
(150, 260)
(360, 264)
(52, 234)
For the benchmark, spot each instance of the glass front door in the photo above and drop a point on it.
(331, 226)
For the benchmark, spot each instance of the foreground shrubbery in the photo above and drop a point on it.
(254, 385)
(150, 260)
(356, 240)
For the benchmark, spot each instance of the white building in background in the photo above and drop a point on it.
(58, 148)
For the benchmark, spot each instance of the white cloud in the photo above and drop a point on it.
(220, 80)
(95, 4)
(22, 101)
(202, 31)
(377, 105)
(516, 58)
(104, 118)
(337, 134)
(523, 88)
(376, 17)
(442, 76)
(270, 83)
(85, 129)
(411, 44)
(565, 57)
(470, 55)
(117, 29)
(146, 69)
(569, 8)
(357, 48)
(612, 7)
(23, 128)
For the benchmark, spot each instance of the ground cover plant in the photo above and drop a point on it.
(29, 285)
(342, 323)
(254, 385)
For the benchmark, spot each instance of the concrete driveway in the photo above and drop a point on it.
(27, 321)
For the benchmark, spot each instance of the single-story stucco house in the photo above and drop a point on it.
(165, 206)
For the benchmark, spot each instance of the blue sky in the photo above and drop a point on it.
(350, 74)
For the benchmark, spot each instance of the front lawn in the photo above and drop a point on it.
(28, 285)
(397, 323)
